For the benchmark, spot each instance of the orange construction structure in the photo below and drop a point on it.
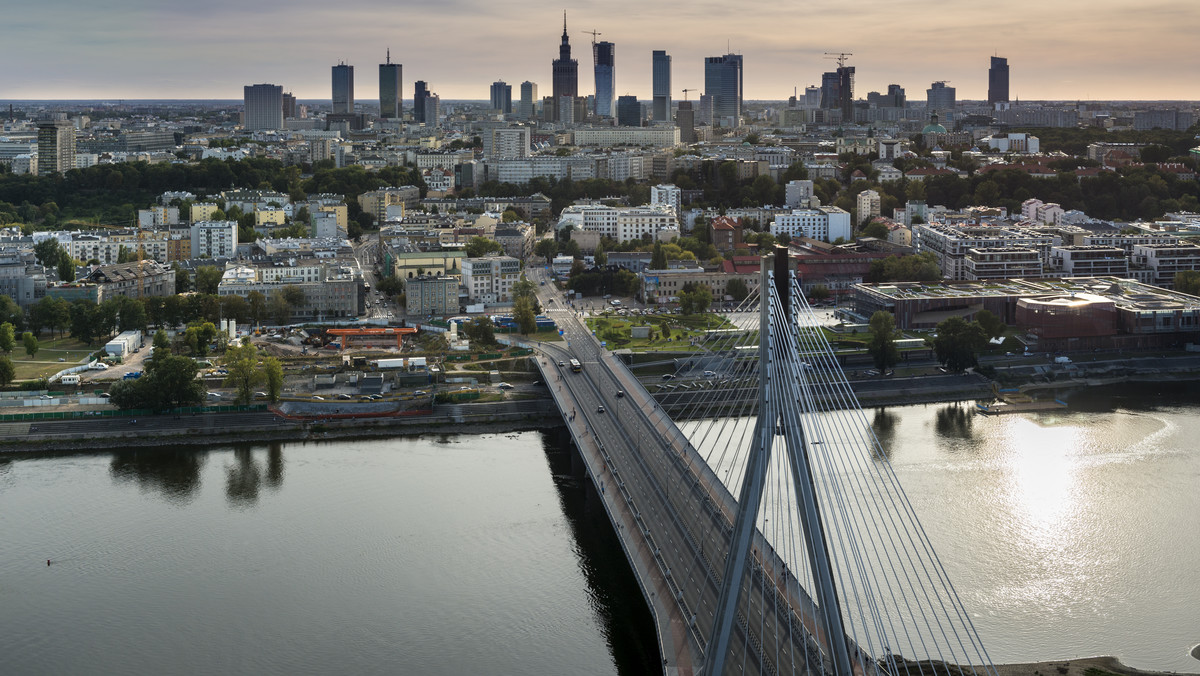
(347, 334)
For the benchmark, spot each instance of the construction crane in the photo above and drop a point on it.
(592, 33)
(839, 56)
(685, 92)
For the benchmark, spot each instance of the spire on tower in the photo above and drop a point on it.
(389, 55)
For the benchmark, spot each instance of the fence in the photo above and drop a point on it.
(142, 412)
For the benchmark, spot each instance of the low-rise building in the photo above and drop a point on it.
(133, 280)
(490, 279)
(437, 296)
(827, 224)
(664, 286)
(331, 288)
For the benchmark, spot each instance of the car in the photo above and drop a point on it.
(599, 409)
(366, 397)
(317, 397)
(889, 373)
(420, 393)
(44, 396)
(668, 376)
(504, 386)
(620, 393)
(464, 387)
(710, 374)
(562, 363)
(376, 397)
(61, 359)
(344, 396)
(105, 395)
(872, 372)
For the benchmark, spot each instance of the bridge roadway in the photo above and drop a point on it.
(673, 516)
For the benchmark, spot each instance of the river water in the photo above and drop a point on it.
(1066, 535)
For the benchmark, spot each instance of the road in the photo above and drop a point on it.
(683, 510)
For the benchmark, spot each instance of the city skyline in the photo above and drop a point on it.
(1058, 51)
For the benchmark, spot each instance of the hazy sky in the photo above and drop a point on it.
(1057, 49)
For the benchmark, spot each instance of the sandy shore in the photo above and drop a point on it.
(1087, 666)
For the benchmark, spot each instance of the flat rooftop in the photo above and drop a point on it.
(1126, 293)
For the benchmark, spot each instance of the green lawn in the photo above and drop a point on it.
(47, 363)
(617, 331)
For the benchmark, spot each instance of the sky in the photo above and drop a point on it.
(194, 49)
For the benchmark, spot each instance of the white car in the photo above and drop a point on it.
(504, 386)
(99, 366)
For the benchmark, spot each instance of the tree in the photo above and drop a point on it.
(183, 281)
(169, 381)
(278, 309)
(256, 303)
(294, 295)
(31, 344)
(1188, 281)
(83, 321)
(658, 260)
(47, 252)
(737, 289)
(7, 371)
(546, 248)
(480, 331)
(882, 345)
(66, 266)
(208, 277)
(8, 339)
(601, 255)
(958, 342)
(242, 364)
(695, 299)
(820, 292)
(161, 342)
(875, 229)
(11, 312)
(482, 246)
(525, 316)
(273, 372)
(990, 323)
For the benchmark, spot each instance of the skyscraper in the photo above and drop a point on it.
(391, 89)
(604, 54)
(263, 106)
(940, 97)
(998, 80)
(502, 97)
(289, 105)
(685, 119)
(343, 89)
(56, 145)
(723, 82)
(529, 97)
(629, 112)
(660, 63)
(420, 91)
(566, 71)
(830, 88)
(845, 76)
(433, 109)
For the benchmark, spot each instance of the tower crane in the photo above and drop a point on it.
(839, 56)
(685, 93)
(592, 33)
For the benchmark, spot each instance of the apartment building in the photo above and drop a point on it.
(490, 279)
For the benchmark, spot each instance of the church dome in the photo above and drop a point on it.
(933, 127)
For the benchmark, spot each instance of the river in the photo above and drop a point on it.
(1067, 534)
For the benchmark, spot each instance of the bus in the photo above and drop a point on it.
(576, 366)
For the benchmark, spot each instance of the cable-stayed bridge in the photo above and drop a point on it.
(767, 529)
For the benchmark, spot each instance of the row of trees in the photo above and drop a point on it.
(956, 342)
(89, 321)
(112, 193)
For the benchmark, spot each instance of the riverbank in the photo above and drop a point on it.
(1087, 666)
